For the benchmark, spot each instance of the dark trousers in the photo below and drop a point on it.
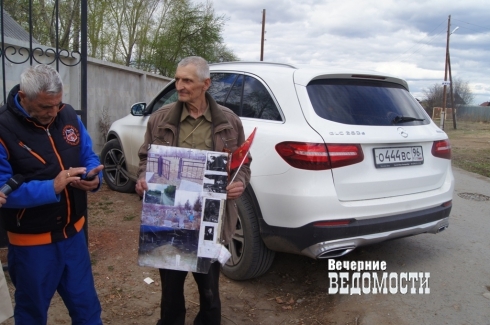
(173, 302)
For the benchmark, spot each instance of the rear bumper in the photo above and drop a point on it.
(334, 241)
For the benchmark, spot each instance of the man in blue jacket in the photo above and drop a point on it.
(44, 140)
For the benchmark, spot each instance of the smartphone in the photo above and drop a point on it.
(88, 178)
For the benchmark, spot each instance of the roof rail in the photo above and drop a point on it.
(256, 62)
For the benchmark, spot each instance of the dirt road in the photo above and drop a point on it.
(295, 290)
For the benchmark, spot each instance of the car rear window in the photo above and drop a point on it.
(365, 102)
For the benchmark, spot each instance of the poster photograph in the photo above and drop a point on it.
(183, 208)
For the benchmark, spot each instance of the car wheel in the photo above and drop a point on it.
(250, 257)
(115, 173)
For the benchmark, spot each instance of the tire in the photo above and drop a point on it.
(250, 257)
(115, 172)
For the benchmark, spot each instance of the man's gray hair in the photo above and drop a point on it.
(40, 78)
(201, 65)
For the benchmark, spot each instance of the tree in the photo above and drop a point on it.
(197, 205)
(100, 30)
(133, 19)
(44, 21)
(187, 206)
(19, 11)
(434, 95)
(148, 32)
(153, 35)
(223, 54)
(190, 29)
(462, 88)
(170, 191)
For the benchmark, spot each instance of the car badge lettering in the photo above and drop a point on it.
(347, 133)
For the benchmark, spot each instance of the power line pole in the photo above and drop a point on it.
(262, 40)
(443, 111)
(451, 91)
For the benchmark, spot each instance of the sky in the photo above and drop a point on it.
(406, 39)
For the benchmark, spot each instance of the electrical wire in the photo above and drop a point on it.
(472, 25)
(419, 45)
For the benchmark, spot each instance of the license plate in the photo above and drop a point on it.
(398, 156)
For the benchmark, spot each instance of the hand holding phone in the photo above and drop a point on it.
(85, 177)
(94, 172)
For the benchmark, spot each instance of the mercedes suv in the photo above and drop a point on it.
(341, 159)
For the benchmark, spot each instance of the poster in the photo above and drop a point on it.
(183, 208)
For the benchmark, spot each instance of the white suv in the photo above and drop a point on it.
(341, 159)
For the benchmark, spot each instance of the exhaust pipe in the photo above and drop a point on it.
(337, 252)
(442, 228)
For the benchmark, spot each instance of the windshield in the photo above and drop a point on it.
(365, 102)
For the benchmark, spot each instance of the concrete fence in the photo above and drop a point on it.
(112, 88)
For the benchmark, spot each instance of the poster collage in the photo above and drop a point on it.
(183, 208)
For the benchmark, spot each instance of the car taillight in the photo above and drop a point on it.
(319, 156)
(441, 149)
(345, 154)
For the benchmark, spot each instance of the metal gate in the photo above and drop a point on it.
(32, 54)
(12, 55)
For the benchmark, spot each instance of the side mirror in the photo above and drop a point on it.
(138, 109)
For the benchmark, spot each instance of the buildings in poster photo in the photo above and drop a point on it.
(183, 208)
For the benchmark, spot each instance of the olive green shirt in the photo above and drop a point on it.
(195, 133)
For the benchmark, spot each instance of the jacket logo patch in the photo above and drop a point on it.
(71, 135)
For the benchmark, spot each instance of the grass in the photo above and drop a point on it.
(105, 206)
(129, 217)
(99, 210)
(470, 144)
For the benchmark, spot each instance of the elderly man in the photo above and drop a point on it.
(44, 140)
(195, 121)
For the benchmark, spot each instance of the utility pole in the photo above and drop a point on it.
(443, 111)
(262, 40)
(451, 91)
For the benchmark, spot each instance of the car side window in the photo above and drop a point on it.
(221, 84)
(169, 96)
(244, 95)
(257, 102)
(234, 99)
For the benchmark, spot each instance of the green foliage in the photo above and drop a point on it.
(170, 191)
(153, 35)
(189, 29)
(154, 193)
(44, 21)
